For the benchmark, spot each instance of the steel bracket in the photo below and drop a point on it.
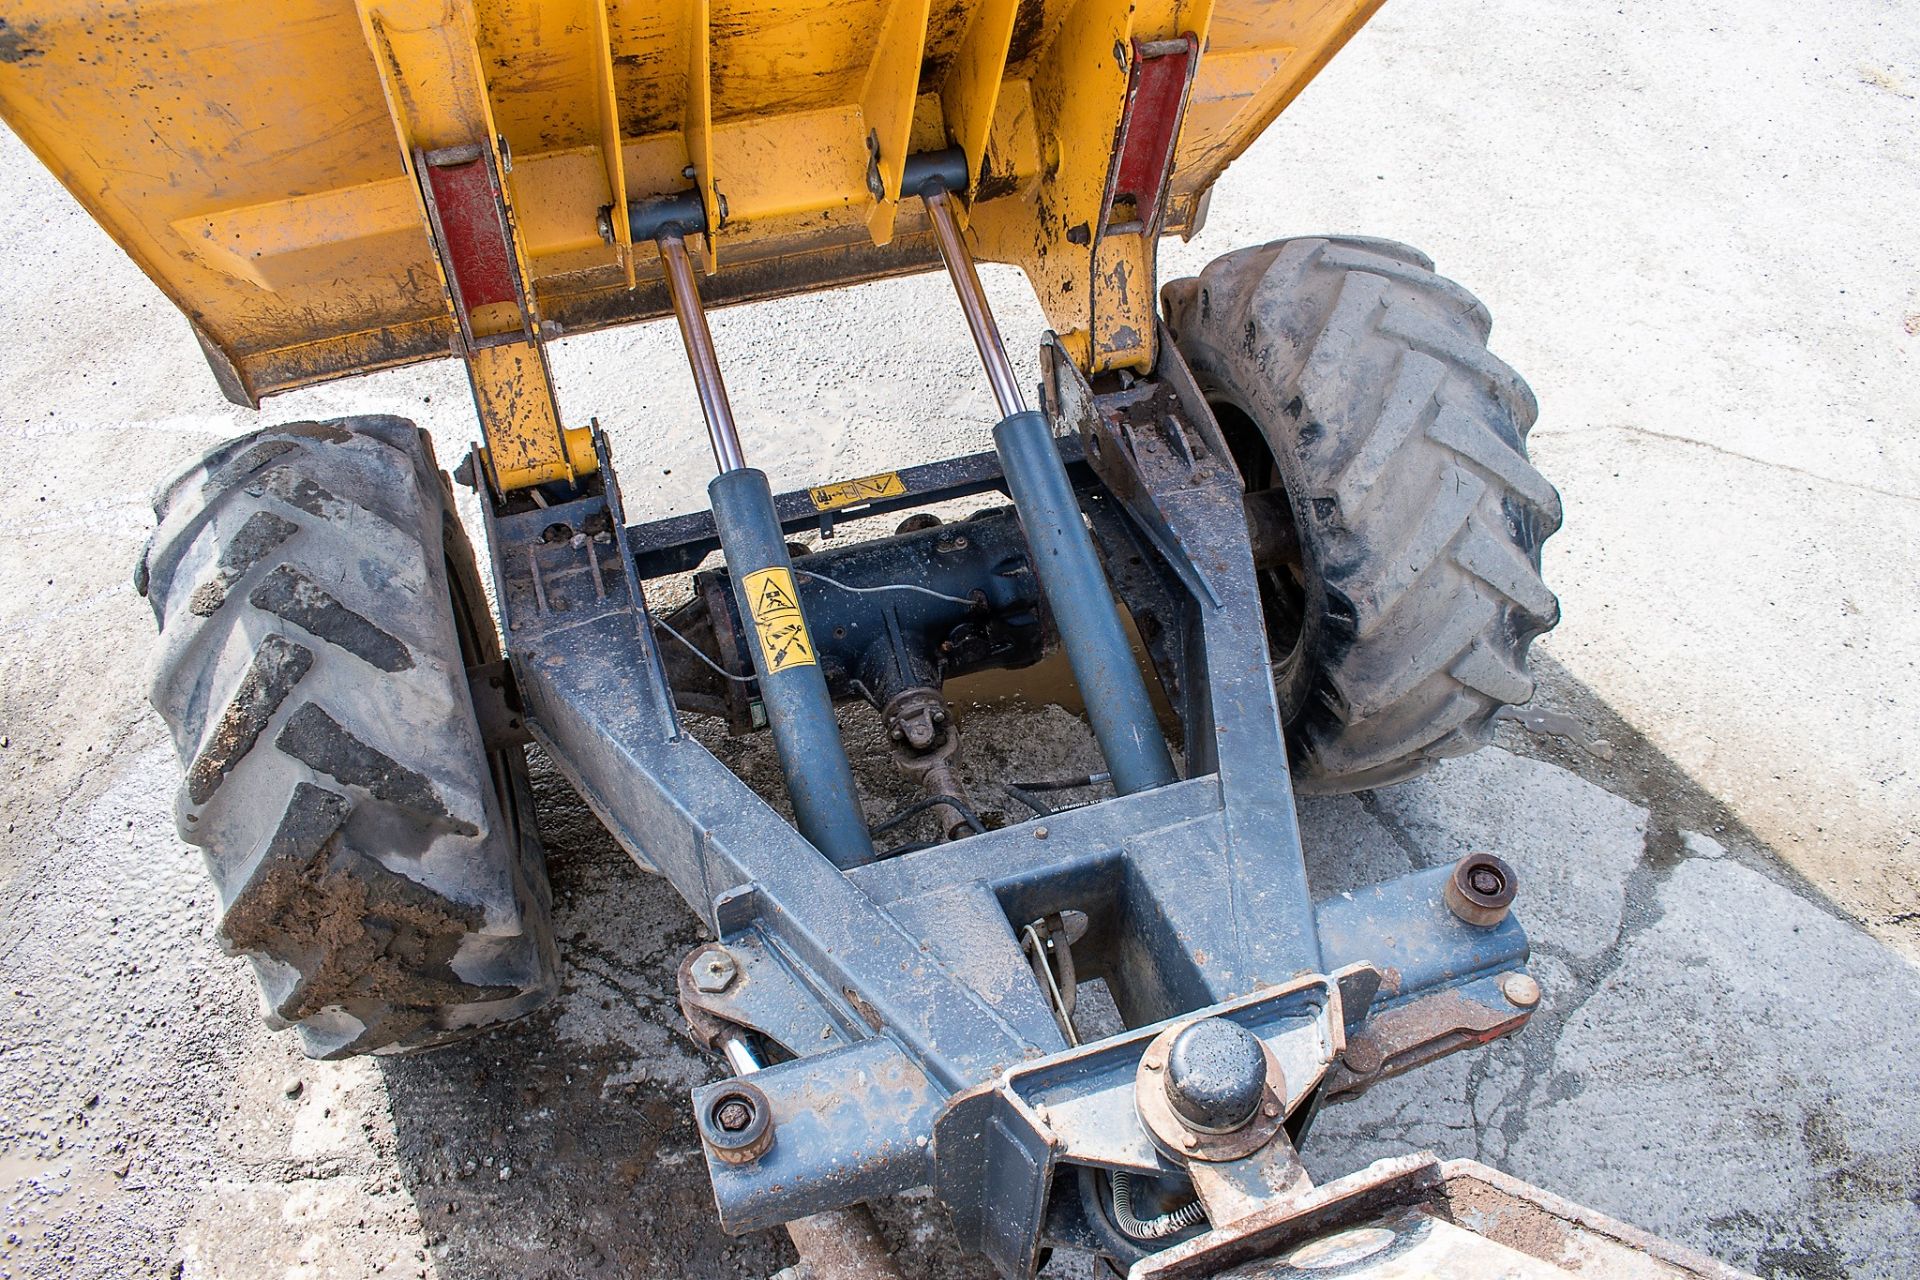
(912, 1042)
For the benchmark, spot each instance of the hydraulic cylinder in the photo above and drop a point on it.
(793, 688)
(1110, 681)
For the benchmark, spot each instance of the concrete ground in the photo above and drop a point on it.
(1695, 225)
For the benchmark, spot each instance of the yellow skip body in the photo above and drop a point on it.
(262, 162)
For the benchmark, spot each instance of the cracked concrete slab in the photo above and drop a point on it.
(1741, 1078)
(1572, 843)
(1734, 1069)
(1574, 847)
(1778, 653)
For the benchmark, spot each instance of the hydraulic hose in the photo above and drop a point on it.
(1188, 1215)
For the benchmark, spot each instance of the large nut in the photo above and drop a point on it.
(737, 1122)
(1480, 890)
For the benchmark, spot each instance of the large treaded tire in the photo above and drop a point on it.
(1401, 445)
(318, 608)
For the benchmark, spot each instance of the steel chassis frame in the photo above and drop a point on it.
(915, 1045)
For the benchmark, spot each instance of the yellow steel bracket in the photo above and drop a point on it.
(607, 111)
(697, 127)
(970, 94)
(436, 91)
(239, 152)
(1091, 263)
(886, 106)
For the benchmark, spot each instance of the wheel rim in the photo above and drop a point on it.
(1285, 596)
(476, 648)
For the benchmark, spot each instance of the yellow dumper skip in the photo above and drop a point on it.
(257, 159)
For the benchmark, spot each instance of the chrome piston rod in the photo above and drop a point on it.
(973, 301)
(698, 340)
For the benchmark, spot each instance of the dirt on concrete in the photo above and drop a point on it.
(1693, 226)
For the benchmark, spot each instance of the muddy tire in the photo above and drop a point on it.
(1346, 372)
(318, 608)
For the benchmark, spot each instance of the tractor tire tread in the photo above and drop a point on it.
(1401, 441)
(372, 859)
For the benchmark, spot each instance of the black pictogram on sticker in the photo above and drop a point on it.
(773, 599)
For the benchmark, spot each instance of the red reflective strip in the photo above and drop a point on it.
(477, 252)
(1154, 103)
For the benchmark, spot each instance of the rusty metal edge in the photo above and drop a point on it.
(1689, 1261)
(1419, 1181)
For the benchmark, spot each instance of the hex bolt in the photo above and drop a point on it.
(1520, 989)
(714, 971)
(734, 1115)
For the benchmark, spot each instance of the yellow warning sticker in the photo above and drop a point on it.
(848, 493)
(777, 620)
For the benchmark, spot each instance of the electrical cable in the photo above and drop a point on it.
(1023, 791)
(969, 601)
(1068, 784)
(700, 653)
(921, 806)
